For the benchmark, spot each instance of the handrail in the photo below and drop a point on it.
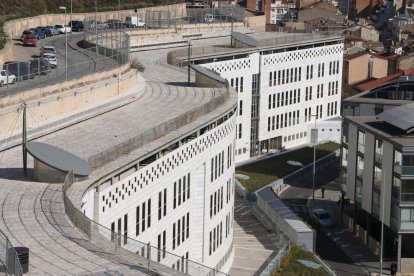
(8, 257)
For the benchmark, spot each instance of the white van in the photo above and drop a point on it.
(134, 22)
(208, 18)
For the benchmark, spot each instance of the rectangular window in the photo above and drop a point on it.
(188, 185)
(179, 192)
(240, 131)
(149, 213)
(159, 205)
(270, 79)
(125, 229)
(178, 233)
(241, 85)
(173, 240)
(183, 230)
(184, 188)
(137, 223)
(143, 217)
(175, 192)
(188, 225)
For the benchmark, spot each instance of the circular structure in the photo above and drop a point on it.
(58, 159)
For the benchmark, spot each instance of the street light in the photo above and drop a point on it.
(188, 60)
(66, 44)
(314, 137)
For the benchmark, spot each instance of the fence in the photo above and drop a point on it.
(275, 262)
(9, 261)
(75, 63)
(148, 256)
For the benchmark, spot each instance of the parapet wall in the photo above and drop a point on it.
(75, 96)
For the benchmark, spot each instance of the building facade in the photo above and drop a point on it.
(282, 90)
(377, 168)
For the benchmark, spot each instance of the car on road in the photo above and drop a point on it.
(51, 58)
(30, 40)
(208, 18)
(52, 29)
(39, 66)
(76, 25)
(6, 77)
(47, 49)
(115, 24)
(20, 69)
(134, 22)
(27, 32)
(63, 28)
(38, 33)
(322, 218)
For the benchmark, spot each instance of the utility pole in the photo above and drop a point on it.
(189, 61)
(24, 139)
(314, 137)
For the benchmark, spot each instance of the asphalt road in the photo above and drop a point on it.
(79, 64)
(296, 197)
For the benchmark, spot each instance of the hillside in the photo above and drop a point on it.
(13, 8)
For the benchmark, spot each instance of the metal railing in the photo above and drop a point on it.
(276, 261)
(142, 254)
(9, 261)
(42, 72)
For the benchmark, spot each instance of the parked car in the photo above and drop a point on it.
(63, 28)
(27, 32)
(51, 58)
(76, 25)
(115, 24)
(20, 69)
(134, 22)
(322, 218)
(39, 66)
(208, 18)
(38, 33)
(6, 77)
(30, 40)
(52, 29)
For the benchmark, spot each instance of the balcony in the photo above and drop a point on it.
(407, 198)
(407, 170)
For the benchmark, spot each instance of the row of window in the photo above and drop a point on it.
(181, 230)
(215, 238)
(293, 137)
(180, 264)
(216, 202)
(237, 84)
(143, 217)
(332, 109)
(283, 120)
(333, 88)
(181, 190)
(283, 98)
(285, 76)
(217, 166)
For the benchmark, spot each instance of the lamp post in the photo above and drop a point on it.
(188, 61)
(314, 137)
(66, 44)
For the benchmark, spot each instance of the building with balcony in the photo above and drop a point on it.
(378, 167)
(284, 83)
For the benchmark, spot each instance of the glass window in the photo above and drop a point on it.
(378, 150)
(360, 166)
(377, 178)
(361, 141)
(397, 161)
(358, 190)
(345, 135)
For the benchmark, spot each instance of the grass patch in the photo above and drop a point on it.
(291, 267)
(135, 64)
(266, 171)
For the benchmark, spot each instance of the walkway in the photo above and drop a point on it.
(253, 245)
(32, 213)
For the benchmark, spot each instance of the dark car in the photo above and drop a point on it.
(20, 69)
(39, 33)
(115, 24)
(27, 32)
(39, 66)
(76, 25)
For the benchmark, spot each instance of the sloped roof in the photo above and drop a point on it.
(401, 117)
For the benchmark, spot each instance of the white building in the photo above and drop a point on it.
(282, 81)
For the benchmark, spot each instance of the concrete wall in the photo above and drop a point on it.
(407, 265)
(6, 53)
(48, 105)
(258, 23)
(357, 69)
(379, 67)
